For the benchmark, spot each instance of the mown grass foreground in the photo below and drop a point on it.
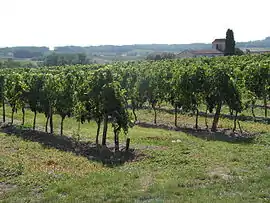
(173, 167)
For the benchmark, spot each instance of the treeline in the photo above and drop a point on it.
(144, 48)
(102, 93)
(10, 63)
(258, 43)
(90, 50)
(114, 50)
(56, 59)
(53, 59)
(160, 56)
(23, 52)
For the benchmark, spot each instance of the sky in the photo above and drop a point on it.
(118, 22)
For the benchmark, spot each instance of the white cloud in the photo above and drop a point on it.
(92, 22)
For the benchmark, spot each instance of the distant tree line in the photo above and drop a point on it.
(56, 59)
(10, 63)
(258, 43)
(53, 59)
(24, 52)
(160, 56)
(137, 50)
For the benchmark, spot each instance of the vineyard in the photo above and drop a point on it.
(114, 97)
(104, 93)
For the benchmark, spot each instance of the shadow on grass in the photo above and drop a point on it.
(105, 155)
(225, 135)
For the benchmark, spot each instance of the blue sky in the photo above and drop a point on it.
(94, 22)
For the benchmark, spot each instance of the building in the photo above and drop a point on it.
(219, 44)
(218, 48)
(199, 53)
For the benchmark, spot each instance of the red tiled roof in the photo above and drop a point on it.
(218, 40)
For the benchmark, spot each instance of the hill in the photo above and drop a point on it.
(108, 53)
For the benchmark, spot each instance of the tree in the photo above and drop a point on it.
(160, 56)
(82, 58)
(229, 43)
(239, 52)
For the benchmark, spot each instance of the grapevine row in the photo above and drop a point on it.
(102, 93)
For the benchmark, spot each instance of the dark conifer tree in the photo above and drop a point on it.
(230, 43)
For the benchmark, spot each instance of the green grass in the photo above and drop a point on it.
(177, 168)
(189, 121)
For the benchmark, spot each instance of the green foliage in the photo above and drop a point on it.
(15, 88)
(239, 52)
(257, 81)
(10, 63)
(24, 52)
(160, 56)
(56, 59)
(103, 93)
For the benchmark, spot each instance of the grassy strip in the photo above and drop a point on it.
(178, 167)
